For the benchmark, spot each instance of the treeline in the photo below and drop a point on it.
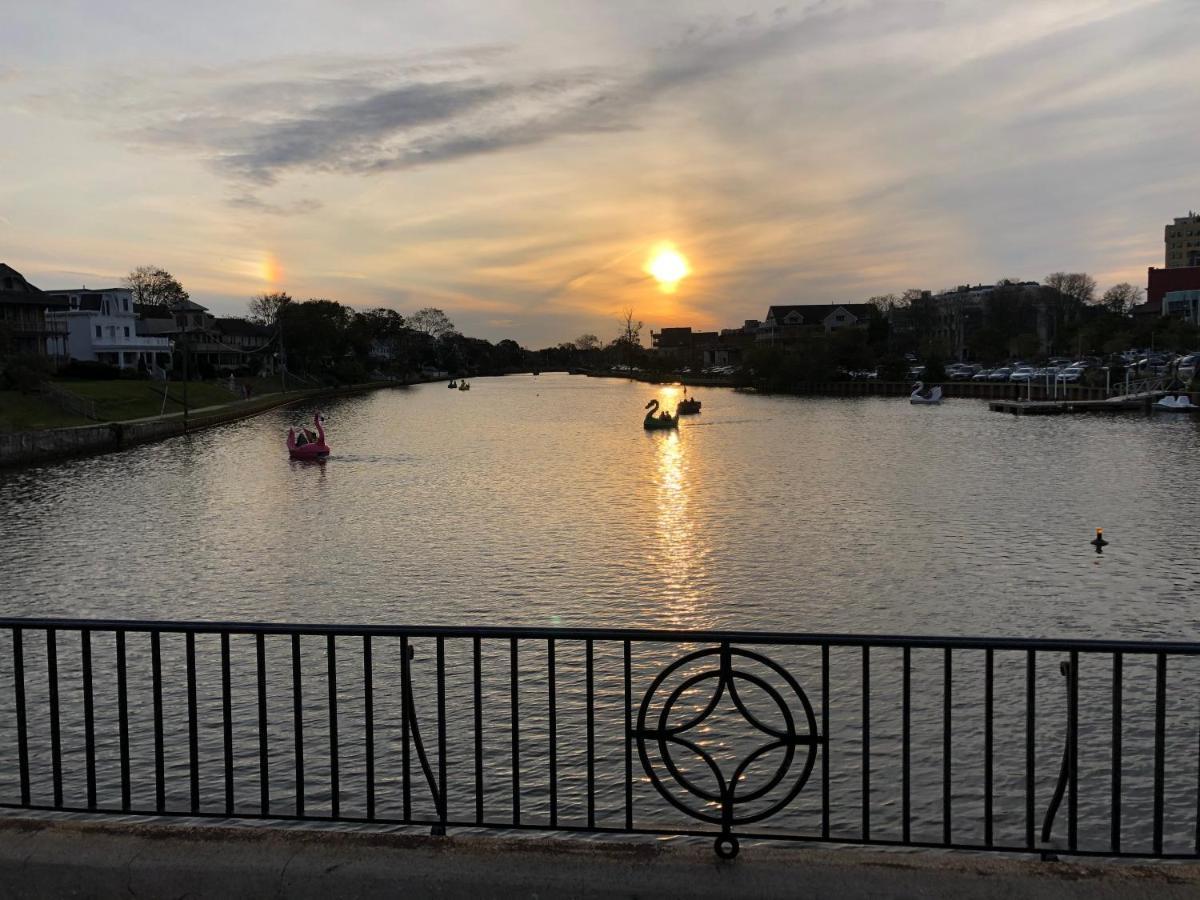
(328, 340)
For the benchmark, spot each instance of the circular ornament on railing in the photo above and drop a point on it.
(663, 739)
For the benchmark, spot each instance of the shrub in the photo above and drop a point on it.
(89, 370)
(26, 373)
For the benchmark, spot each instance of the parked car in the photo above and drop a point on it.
(1000, 374)
(1025, 373)
(1070, 374)
(1187, 366)
(982, 375)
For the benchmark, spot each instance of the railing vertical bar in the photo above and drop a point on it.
(628, 736)
(1117, 733)
(443, 802)
(160, 781)
(551, 702)
(1030, 744)
(866, 742)
(514, 693)
(827, 742)
(478, 678)
(591, 734)
(906, 742)
(298, 723)
(227, 721)
(335, 782)
(193, 722)
(405, 756)
(123, 720)
(264, 762)
(55, 720)
(1073, 773)
(22, 725)
(1197, 844)
(369, 722)
(947, 689)
(89, 719)
(988, 741)
(1160, 731)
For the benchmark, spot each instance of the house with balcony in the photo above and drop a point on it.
(24, 329)
(101, 326)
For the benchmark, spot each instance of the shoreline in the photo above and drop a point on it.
(23, 448)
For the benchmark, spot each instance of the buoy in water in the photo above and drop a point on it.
(1099, 542)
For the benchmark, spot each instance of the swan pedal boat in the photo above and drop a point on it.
(919, 397)
(452, 385)
(1176, 403)
(655, 423)
(688, 406)
(464, 386)
(317, 449)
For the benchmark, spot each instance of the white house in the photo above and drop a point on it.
(101, 326)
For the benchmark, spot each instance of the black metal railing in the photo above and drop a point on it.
(1039, 746)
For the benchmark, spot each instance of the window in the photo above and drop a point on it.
(125, 307)
(98, 331)
(126, 331)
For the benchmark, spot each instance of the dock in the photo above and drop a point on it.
(1062, 407)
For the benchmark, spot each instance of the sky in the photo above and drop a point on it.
(517, 163)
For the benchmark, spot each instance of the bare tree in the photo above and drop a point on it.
(267, 308)
(152, 286)
(431, 321)
(1120, 299)
(587, 342)
(631, 331)
(1079, 286)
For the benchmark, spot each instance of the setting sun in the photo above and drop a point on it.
(668, 267)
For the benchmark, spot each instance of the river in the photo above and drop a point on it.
(541, 500)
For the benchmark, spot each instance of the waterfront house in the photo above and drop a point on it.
(100, 325)
(24, 327)
(218, 344)
(786, 323)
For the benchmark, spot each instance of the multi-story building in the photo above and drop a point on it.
(1160, 282)
(1182, 239)
(219, 344)
(1182, 304)
(101, 326)
(24, 329)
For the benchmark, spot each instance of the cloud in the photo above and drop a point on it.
(253, 203)
(256, 126)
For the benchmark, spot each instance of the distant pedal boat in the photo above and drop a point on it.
(920, 398)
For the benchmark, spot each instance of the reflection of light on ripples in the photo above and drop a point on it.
(682, 553)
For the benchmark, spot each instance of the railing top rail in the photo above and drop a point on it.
(675, 635)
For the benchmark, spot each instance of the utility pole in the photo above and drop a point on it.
(185, 377)
(282, 353)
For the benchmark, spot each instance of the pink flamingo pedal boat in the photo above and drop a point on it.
(308, 449)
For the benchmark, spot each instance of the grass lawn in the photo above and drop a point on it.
(27, 412)
(118, 399)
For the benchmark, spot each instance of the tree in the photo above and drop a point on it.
(631, 331)
(152, 286)
(587, 343)
(266, 309)
(1120, 299)
(431, 321)
(1079, 286)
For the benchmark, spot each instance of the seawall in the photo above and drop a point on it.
(25, 447)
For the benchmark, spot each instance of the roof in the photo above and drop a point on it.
(815, 313)
(12, 281)
(233, 325)
(153, 311)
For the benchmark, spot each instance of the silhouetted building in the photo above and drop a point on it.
(783, 324)
(1160, 281)
(23, 323)
(1182, 239)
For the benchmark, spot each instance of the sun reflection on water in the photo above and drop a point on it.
(681, 559)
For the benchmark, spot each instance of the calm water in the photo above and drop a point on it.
(535, 501)
(541, 500)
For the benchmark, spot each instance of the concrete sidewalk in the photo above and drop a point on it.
(90, 859)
